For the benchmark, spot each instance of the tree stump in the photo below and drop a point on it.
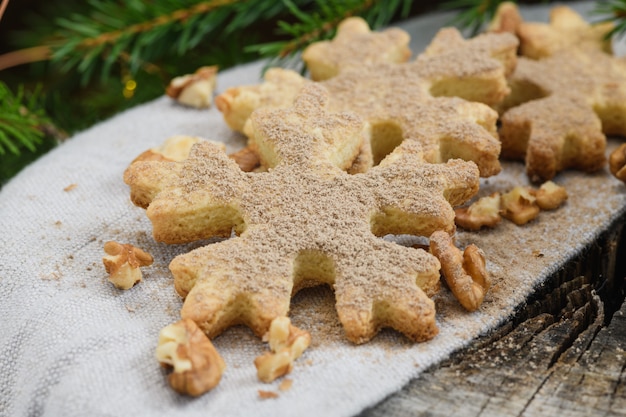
(563, 352)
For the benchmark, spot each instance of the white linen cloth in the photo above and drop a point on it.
(73, 345)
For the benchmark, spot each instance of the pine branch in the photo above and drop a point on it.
(321, 23)
(21, 121)
(3, 7)
(24, 56)
(612, 11)
(135, 33)
(473, 13)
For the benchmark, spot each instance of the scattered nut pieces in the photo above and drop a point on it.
(265, 395)
(550, 196)
(123, 262)
(285, 384)
(485, 212)
(286, 343)
(195, 90)
(617, 163)
(519, 205)
(197, 366)
(465, 272)
(246, 158)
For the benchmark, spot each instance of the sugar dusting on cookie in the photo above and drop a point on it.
(308, 222)
(354, 45)
(398, 100)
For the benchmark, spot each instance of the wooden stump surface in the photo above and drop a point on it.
(562, 354)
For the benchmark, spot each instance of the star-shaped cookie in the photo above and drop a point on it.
(562, 105)
(354, 45)
(416, 101)
(566, 30)
(305, 222)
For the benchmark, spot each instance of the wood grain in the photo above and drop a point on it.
(562, 354)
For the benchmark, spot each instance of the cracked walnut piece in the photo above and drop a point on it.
(617, 163)
(485, 212)
(519, 205)
(464, 272)
(198, 367)
(550, 196)
(287, 343)
(122, 263)
(194, 90)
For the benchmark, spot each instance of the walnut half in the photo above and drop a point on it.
(122, 263)
(485, 212)
(617, 163)
(465, 272)
(519, 205)
(287, 343)
(550, 196)
(197, 366)
(194, 90)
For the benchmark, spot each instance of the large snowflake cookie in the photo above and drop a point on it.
(305, 222)
(566, 30)
(434, 100)
(562, 105)
(354, 45)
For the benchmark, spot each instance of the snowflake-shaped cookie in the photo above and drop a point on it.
(415, 101)
(305, 222)
(566, 30)
(571, 100)
(354, 45)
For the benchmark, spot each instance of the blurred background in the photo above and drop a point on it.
(67, 64)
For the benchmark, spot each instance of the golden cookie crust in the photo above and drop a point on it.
(415, 101)
(279, 89)
(570, 101)
(570, 91)
(566, 30)
(306, 221)
(354, 45)
(549, 142)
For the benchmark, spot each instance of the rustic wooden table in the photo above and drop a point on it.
(562, 354)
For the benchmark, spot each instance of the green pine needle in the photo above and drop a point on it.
(21, 120)
(612, 11)
(146, 32)
(320, 23)
(473, 14)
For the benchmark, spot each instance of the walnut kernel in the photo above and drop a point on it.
(286, 343)
(519, 205)
(197, 366)
(123, 263)
(246, 158)
(617, 163)
(465, 271)
(550, 196)
(195, 90)
(485, 212)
